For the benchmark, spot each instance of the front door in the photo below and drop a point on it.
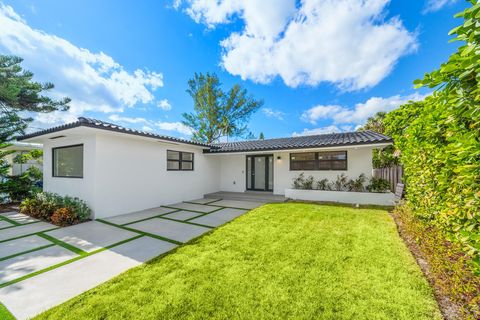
(260, 173)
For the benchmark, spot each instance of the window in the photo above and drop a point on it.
(331, 160)
(177, 160)
(67, 162)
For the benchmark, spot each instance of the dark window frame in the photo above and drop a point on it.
(316, 166)
(66, 147)
(181, 160)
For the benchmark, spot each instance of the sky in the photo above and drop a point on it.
(320, 66)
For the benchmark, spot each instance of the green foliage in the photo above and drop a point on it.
(439, 139)
(261, 136)
(451, 271)
(19, 94)
(43, 205)
(323, 184)
(340, 184)
(357, 185)
(386, 157)
(378, 185)
(218, 113)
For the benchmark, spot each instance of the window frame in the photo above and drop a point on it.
(66, 147)
(316, 166)
(181, 160)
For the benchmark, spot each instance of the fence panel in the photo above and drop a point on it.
(393, 174)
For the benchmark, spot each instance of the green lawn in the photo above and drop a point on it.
(290, 260)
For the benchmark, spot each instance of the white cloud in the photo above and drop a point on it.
(117, 118)
(435, 5)
(272, 113)
(94, 81)
(174, 126)
(346, 42)
(358, 114)
(322, 130)
(149, 125)
(164, 104)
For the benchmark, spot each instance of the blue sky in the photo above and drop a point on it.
(319, 65)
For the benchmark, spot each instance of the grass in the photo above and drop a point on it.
(290, 260)
(5, 314)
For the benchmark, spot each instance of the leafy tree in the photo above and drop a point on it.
(261, 136)
(20, 95)
(218, 113)
(387, 156)
(439, 139)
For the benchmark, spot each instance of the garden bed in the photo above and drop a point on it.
(368, 198)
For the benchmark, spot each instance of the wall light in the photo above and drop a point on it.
(279, 158)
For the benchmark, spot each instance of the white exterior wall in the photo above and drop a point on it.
(232, 172)
(82, 188)
(359, 161)
(131, 175)
(233, 169)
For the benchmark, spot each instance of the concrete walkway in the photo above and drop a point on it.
(42, 265)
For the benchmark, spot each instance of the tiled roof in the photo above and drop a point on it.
(301, 142)
(99, 124)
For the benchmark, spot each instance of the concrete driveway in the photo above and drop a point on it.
(42, 265)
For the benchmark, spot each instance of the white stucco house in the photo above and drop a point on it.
(118, 170)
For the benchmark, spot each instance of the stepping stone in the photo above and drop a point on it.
(182, 215)
(31, 262)
(28, 229)
(21, 245)
(91, 236)
(177, 231)
(5, 224)
(18, 217)
(30, 297)
(203, 200)
(193, 207)
(220, 217)
(238, 204)
(139, 215)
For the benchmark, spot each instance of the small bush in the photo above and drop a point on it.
(298, 181)
(308, 183)
(63, 217)
(323, 184)
(357, 185)
(44, 205)
(341, 183)
(378, 185)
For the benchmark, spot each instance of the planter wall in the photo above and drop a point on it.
(383, 199)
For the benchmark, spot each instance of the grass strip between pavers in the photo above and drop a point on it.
(88, 254)
(201, 212)
(205, 204)
(62, 244)
(5, 314)
(143, 233)
(186, 222)
(27, 251)
(149, 218)
(10, 221)
(30, 234)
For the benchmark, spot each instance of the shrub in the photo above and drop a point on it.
(308, 183)
(341, 183)
(439, 140)
(323, 184)
(357, 184)
(298, 181)
(378, 185)
(22, 186)
(63, 217)
(44, 204)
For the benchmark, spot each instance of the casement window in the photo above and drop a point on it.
(67, 162)
(329, 160)
(179, 161)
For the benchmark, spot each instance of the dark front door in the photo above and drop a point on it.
(260, 173)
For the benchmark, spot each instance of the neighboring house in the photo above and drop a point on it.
(118, 170)
(20, 148)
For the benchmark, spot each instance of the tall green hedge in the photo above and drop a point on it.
(439, 140)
